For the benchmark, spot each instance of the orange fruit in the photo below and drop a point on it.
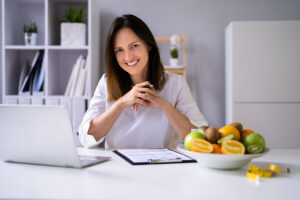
(232, 147)
(227, 130)
(201, 145)
(216, 148)
(246, 132)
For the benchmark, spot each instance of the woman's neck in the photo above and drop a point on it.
(139, 78)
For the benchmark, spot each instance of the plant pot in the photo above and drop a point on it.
(73, 34)
(173, 62)
(30, 38)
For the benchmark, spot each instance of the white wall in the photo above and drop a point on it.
(204, 21)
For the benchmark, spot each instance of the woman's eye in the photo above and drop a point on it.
(118, 51)
(135, 46)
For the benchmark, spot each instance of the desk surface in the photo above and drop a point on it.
(117, 179)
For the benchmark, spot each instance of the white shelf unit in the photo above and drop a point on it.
(59, 60)
(180, 69)
(262, 79)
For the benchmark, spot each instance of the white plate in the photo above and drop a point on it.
(220, 161)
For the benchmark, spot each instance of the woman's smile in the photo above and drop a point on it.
(133, 63)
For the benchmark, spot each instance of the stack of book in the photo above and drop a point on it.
(77, 81)
(31, 80)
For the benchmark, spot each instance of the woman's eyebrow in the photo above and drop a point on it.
(128, 45)
(133, 43)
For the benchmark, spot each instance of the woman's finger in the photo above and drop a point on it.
(147, 90)
(132, 107)
(143, 84)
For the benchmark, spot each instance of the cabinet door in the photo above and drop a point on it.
(279, 123)
(265, 61)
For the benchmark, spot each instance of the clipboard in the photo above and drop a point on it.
(153, 156)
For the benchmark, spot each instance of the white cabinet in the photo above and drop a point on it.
(59, 60)
(262, 79)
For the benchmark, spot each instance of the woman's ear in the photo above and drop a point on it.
(149, 48)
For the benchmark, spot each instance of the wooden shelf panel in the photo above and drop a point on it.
(167, 39)
(176, 70)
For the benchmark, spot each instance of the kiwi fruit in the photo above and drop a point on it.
(212, 134)
(238, 126)
(202, 129)
(227, 137)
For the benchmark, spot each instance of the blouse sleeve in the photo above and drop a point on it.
(97, 106)
(187, 106)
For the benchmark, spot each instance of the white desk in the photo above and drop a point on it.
(117, 179)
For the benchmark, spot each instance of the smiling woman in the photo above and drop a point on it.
(136, 104)
(132, 54)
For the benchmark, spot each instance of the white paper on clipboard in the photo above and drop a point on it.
(144, 156)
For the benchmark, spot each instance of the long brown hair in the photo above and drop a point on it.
(118, 80)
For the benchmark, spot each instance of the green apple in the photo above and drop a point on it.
(190, 136)
(255, 143)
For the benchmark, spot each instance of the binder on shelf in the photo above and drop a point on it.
(72, 78)
(31, 78)
(68, 104)
(22, 90)
(24, 100)
(37, 101)
(11, 100)
(86, 88)
(77, 80)
(80, 84)
(24, 72)
(39, 78)
(51, 101)
(78, 112)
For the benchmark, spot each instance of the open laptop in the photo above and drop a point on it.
(40, 135)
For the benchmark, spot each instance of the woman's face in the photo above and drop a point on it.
(132, 54)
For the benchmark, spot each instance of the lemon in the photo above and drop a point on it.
(190, 136)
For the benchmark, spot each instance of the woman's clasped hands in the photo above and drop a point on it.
(141, 94)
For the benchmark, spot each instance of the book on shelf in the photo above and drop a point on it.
(87, 89)
(77, 80)
(80, 83)
(24, 72)
(35, 77)
(71, 82)
(38, 81)
(22, 90)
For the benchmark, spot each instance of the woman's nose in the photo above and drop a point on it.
(128, 56)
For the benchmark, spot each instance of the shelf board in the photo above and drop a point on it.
(46, 96)
(24, 47)
(166, 39)
(58, 47)
(173, 67)
(175, 70)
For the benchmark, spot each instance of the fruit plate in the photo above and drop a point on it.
(220, 161)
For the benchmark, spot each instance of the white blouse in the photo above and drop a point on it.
(146, 127)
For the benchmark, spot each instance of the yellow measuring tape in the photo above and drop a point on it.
(255, 172)
(259, 171)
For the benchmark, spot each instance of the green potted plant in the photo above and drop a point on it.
(30, 34)
(73, 28)
(174, 41)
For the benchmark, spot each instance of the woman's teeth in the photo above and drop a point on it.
(132, 63)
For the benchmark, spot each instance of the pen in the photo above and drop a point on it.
(164, 160)
(148, 86)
